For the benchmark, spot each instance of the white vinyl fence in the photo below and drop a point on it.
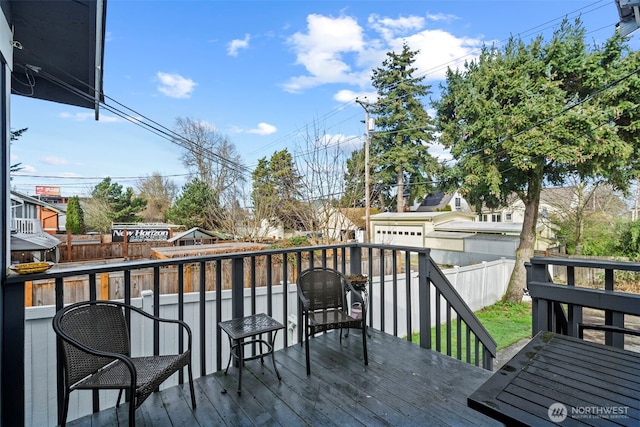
(479, 285)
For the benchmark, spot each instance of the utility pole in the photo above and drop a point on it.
(369, 126)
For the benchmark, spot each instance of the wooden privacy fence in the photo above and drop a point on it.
(100, 251)
(111, 285)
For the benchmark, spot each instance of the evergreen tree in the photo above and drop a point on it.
(14, 135)
(404, 129)
(536, 113)
(276, 190)
(194, 206)
(354, 181)
(75, 216)
(122, 205)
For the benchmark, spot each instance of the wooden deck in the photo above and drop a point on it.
(403, 385)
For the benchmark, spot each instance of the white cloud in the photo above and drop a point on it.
(336, 50)
(441, 17)
(174, 85)
(263, 129)
(55, 161)
(109, 119)
(390, 28)
(322, 50)
(78, 117)
(237, 44)
(84, 116)
(27, 169)
(348, 96)
(440, 50)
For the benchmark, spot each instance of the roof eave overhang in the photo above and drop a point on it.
(58, 50)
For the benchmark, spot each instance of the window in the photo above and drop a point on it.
(457, 202)
(508, 217)
(496, 218)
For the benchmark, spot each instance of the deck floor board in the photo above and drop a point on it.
(403, 385)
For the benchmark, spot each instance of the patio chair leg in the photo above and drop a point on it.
(193, 395)
(364, 345)
(65, 410)
(306, 347)
(119, 397)
(132, 412)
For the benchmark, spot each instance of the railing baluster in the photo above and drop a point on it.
(458, 338)
(438, 320)
(156, 310)
(180, 271)
(448, 327)
(92, 297)
(407, 283)
(468, 342)
(218, 288)
(382, 291)
(394, 282)
(59, 290)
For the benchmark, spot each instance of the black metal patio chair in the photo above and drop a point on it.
(97, 353)
(322, 294)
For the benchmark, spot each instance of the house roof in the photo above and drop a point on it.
(21, 198)
(59, 50)
(418, 216)
(197, 233)
(201, 250)
(435, 202)
(33, 241)
(480, 227)
(358, 216)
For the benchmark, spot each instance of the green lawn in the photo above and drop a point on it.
(507, 323)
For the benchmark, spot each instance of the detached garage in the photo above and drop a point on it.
(410, 228)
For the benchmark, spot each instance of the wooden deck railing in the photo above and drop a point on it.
(560, 307)
(408, 297)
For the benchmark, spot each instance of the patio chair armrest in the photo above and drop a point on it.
(303, 300)
(181, 323)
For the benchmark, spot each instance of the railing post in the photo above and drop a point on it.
(237, 287)
(355, 260)
(612, 318)
(13, 354)
(535, 303)
(424, 296)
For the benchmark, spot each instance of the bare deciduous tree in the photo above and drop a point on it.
(159, 192)
(322, 166)
(212, 158)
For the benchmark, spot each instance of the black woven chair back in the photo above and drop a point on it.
(100, 326)
(96, 348)
(323, 288)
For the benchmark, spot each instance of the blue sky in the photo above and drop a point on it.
(260, 73)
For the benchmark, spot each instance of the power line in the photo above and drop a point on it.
(166, 133)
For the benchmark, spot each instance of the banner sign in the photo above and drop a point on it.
(137, 235)
(47, 190)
